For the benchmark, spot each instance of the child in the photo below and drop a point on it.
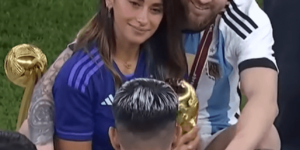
(145, 112)
(15, 141)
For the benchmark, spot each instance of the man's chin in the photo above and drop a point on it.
(195, 28)
(200, 25)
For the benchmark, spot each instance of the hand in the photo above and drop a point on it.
(24, 129)
(189, 141)
(48, 146)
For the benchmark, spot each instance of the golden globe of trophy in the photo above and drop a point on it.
(24, 65)
(188, 104)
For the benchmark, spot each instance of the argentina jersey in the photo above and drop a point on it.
(242, 38)
(83, 94)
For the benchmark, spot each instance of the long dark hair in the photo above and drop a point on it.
(166, 56)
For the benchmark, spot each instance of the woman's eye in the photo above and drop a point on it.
(156, 10)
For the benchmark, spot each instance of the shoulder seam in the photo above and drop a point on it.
(238, 21)
(89, 75)
(83, 70)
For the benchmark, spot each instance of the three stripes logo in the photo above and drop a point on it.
(238, 21)
(108, 101)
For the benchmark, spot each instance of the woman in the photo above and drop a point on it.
(120, 44)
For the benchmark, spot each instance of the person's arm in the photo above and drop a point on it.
(40, 116)
(258, 74)
(72, 145)
(257, 117)
(74, 123)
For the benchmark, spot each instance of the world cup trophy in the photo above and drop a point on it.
(24, 65)
(188, 104)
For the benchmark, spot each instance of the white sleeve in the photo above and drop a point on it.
(256, 49)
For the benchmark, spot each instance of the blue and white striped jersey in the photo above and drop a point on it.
(242, 38)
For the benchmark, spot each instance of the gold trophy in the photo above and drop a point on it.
(24, 65)
(188, 104)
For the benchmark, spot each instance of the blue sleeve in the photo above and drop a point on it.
(73, 119)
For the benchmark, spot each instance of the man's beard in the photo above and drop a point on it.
(200, 26)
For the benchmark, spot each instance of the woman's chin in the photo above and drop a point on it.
(138, 39)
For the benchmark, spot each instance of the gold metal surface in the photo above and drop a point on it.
(188, 104)
(24, 65)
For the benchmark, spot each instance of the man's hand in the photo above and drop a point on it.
(189, 141)
(24, 129)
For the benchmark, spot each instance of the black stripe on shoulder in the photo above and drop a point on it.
(233, 27)
(258, 62)
(238, 11)
(243, 25)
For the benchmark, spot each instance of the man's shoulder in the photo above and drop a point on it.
(242, 18)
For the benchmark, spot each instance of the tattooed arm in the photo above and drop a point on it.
(40, 116)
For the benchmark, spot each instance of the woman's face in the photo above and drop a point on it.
(136, 20)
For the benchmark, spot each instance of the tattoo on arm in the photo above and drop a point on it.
(40, 116)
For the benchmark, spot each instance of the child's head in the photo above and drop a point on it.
(15, 141)
(145, 112)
